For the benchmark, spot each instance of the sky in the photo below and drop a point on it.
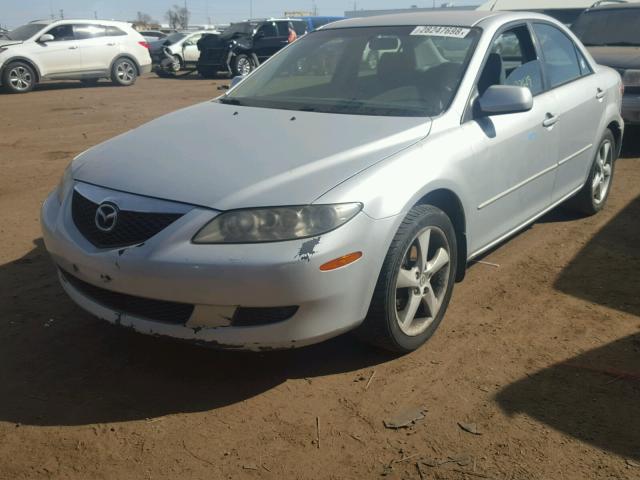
(17, 12)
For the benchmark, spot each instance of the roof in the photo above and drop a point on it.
(83, 20)
(537, 4)
(454, 18)
(616, 6)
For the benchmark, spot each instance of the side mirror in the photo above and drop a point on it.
(237, 80)
(260, 34)
(502, 99)
(47, 37)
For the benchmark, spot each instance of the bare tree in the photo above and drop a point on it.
(144, 18)
(178, 17)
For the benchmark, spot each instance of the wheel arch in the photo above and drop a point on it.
(122, 56)
(29, 62)
(447, 201)
(616, 129)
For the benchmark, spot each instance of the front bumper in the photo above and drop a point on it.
(631, 108)
(217, 279)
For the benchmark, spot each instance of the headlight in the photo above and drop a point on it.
(631, 78)
(276, 224)
(65, 184)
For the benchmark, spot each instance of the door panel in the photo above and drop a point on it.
(513, 167)
(59, 56)
(97, 50)
(579, 106)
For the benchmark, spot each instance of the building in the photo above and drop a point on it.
(371, 13)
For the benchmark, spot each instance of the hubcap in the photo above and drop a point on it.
(244, 66)
(422, 281)
(20, 78)
(126, 72)
(603, 170)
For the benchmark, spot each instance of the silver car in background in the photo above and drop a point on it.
(326, 193)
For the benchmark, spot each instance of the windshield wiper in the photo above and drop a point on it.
(230, 101)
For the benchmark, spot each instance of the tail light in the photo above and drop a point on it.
(144, 44)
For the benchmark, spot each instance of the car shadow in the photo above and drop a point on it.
(593, 397)
(61, 366)
(71, 85)
(605, 271)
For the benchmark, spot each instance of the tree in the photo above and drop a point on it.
(178, 17)
(144, 18)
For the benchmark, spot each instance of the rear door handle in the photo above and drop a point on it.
(550, 120)
(73, 47)
(112, 44)
(600, 94)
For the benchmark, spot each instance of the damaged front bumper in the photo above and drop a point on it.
(222, 281)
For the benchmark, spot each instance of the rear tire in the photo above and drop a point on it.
(595, 192)
(124, 72)
(18, 77)
(415, 283)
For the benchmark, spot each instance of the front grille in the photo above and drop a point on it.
(131, 227)
(157, 310)
(252, 317)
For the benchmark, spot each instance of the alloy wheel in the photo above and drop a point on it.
(125, 72)
(603, 170)
(244, 66)
(422, 281)
(20, 78)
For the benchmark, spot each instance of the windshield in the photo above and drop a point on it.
(246, 28)
(24, 32)
(174, 38)
(395, 71)
(609, 27)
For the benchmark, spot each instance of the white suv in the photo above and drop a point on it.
(85, 50)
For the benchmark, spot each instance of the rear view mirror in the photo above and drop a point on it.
(384, 43)
(47, 37)
(502, 99)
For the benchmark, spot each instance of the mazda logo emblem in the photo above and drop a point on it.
(106, 217)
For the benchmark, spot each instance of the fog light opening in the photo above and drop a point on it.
(341, 261)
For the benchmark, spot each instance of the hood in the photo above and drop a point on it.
(225, 157)
(5, 42)
(617, 57)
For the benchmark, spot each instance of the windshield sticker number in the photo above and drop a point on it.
(440, 31)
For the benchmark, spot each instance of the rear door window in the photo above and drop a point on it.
(114, 32)
(560, 57)
(84, 32)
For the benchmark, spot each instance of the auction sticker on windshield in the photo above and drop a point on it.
(441, 31)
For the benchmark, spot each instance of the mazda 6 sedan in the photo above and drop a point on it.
(326, 193)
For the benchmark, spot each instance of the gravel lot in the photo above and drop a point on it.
(542, 353)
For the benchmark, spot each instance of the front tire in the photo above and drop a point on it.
(18, 77)
(242, 65)
(595, 192)
(415, 283)
(124, 72)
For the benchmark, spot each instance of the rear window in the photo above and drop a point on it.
(115, 32)
(611, 27)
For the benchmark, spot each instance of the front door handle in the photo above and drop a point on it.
(112, 44)
(550, 120)
(600, 94)
(73, 47)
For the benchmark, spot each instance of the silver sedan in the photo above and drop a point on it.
(326, 192)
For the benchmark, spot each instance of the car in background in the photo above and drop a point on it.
(152, 35)
(611, 33)
(85, 50)
(177, 51)
(305, 203)
(313, 23)
(242, 47)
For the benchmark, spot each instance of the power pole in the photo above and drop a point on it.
(95, 14)
(61, 14)
(250, 9)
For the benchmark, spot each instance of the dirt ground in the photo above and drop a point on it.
(541, 353)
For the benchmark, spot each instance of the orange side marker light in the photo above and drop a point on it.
(341, 261)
